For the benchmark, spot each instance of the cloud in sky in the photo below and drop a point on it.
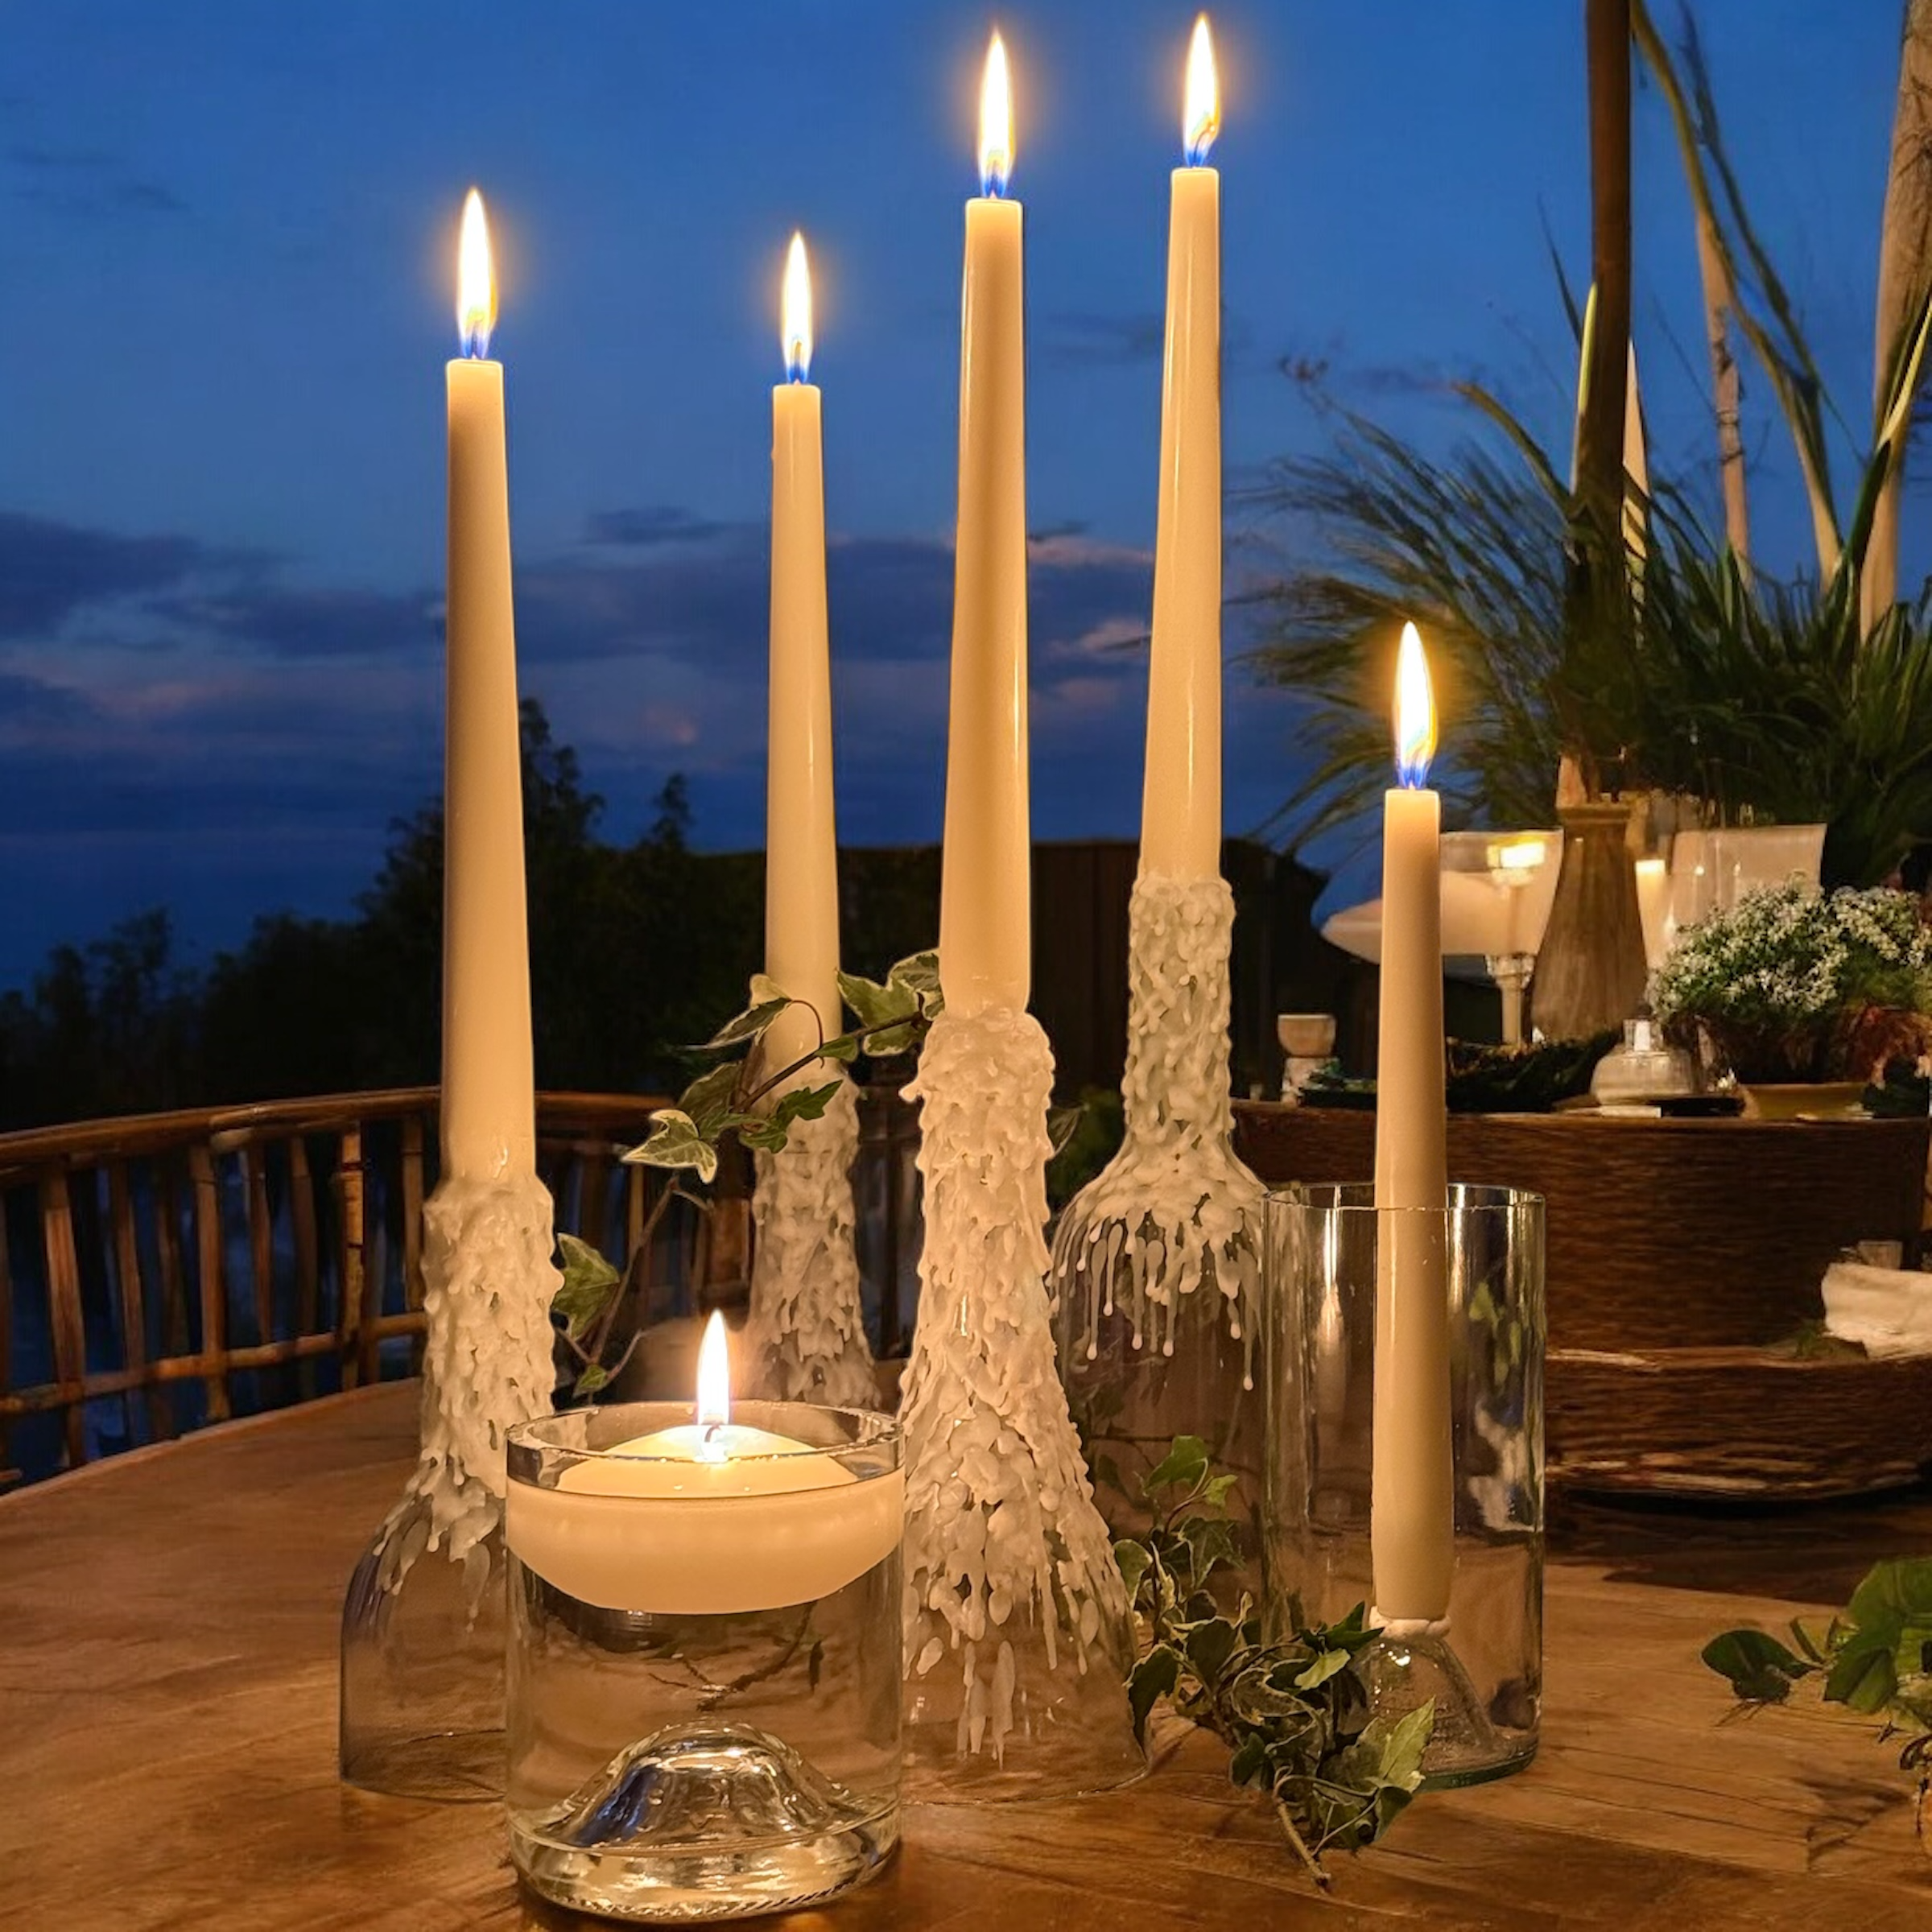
(91, 182)
(49, 570)
(209, 709)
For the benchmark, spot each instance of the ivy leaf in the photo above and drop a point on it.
(594, 1377)
(873, 1006)
(1134, 1561)
(920, 972)
(770, 1131)
(751, 1023)
(843, 1047)
(1214, 1492)
(1863, 1679)
(707, 1100)
(1210, 1646)
(676, 1141)
(1154, 1677)
(589, 1281)
(1063, 1123)
(1182, 1467)
(1760, 1669)
(887, 1041)
(1323, 1668)
(1249, 1764)
(804, 1103)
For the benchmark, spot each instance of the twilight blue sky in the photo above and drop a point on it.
(226, 253)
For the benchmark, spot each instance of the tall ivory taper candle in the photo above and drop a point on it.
(1412, 1501)
(801, 844)
(489, 1090)
(985, 891)
(1181, 804)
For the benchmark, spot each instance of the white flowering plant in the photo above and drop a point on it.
(1793, 984)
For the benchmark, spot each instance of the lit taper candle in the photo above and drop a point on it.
(1411, 1500)
(1181, 805)
(800, 844)
(489, 1091)
(985, 908)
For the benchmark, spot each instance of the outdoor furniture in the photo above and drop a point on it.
(1684, 1265)
(169, 1755)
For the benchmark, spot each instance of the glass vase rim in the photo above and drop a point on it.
(873, 1429)
(1358, 1197)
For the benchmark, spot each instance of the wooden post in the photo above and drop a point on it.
(133, 1303)
(64, 1309)
(308, 1269)
(214, 1297)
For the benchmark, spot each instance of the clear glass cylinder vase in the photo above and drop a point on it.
(704, 1665)
(1481, 1659)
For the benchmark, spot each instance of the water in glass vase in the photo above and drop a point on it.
(703, 1664)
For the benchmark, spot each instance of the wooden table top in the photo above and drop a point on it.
(167, 1743)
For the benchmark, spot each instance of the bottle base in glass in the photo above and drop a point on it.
(421, 1706)
(1470, 1743)
(450, 1767)
(685, 1826)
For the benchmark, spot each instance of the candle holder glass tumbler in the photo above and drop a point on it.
(703, 1664)
(1482, 1665)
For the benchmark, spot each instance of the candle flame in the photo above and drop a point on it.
(1414, 712)
(996, 121)
(795, 313)
(1201, 116)
(714, 1376)
(476, 280)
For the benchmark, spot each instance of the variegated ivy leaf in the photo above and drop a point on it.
(748, 1024)
(801, 1103)
(589, 1281)
(676, 1141)
(707, 1100)
(875, 1005)
(920, 971)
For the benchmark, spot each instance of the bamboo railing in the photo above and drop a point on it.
(162, 1271)
(265, 1252)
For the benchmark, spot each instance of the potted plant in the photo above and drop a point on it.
(1796, 991)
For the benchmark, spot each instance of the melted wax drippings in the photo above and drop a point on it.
(805, 1336)
(1174, 1211)
(488, 1279)
(1004, 1546)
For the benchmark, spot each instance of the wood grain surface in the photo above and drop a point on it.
(167, 1732)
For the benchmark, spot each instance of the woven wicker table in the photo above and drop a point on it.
(1683, 1257)
(167, 1683)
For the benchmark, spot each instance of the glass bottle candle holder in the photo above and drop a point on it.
(1481, 1661)
(703, 1664)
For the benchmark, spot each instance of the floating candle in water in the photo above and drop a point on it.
(707, 1517)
